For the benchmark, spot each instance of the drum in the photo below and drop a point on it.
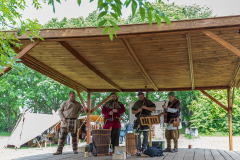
(101, 138)
(131, 143)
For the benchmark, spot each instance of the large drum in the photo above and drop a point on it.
(131, 143)
(101, 138)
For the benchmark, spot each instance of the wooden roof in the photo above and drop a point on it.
(189, 54)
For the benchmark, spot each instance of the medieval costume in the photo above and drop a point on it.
(69, 111)
(114, 123)
(137, 124)
(173, 132)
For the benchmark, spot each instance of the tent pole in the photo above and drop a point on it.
(230, 119)
(88, 117)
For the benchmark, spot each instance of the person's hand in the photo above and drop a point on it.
(63, 119)
(144, 107)
(160, 114)
(164, 107)
(110, 113)
(82, 110)
(115, 110)
(140, 110)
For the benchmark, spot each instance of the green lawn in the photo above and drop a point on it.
(5, 133)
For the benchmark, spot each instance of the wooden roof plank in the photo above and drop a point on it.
(22, 53)
(190, 59)
(221, 41)
(138, 64)
(75, 54)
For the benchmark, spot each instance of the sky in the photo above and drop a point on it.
(70, 8)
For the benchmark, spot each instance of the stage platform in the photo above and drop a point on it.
(183, 154)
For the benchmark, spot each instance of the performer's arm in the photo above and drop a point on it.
(60, 111)
(149, 108)
(172, 110)
(135, 111)
(122, 110)
(104, 111)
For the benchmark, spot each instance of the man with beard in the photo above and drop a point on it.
(173, 111)
(112, 111)
(68, 113)
(143, 107)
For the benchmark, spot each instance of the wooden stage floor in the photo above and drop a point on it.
(183, 154)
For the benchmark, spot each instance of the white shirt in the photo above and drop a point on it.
(170, 126)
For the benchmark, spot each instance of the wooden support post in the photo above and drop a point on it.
(209, 96)
(80, 97)
(230, 119)
(150, 136)
(88, 117)
(233, 93)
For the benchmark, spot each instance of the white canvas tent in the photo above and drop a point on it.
(30, 126)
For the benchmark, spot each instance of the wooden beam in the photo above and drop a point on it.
(137, 62)
(216, 101)
(190, 59)
(235, 73)
(233, 93)
(160, 89)
(100, 104)
(88, 117)
(80, 97)
(214, 22)
(28, 64)
(230, 119)
(221, 41)
(81, 59)
(21, 54)
(53, 72)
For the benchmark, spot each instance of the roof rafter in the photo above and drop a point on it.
(81, 59)
(235, 73)
(48, 70)
(221, 41)
(137, 63)
(190, 59)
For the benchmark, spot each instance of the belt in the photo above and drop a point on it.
(71, 118)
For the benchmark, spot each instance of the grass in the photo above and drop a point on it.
(5, 133)
(217, 134)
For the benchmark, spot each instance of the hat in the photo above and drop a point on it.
(140, 93)
(171, 94)
(113, 94)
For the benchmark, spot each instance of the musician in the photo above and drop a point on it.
(173, 111)
(112, 111)
(68, 113)
(143, 107)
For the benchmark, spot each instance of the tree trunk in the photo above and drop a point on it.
(8, 117)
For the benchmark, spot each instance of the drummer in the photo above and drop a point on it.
(112, 111)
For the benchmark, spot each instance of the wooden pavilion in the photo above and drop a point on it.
(197, 54)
